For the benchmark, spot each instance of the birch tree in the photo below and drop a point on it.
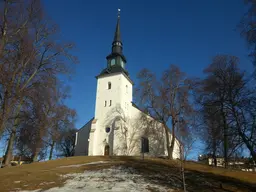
(166, 99)
(30, 53)
(227, 92)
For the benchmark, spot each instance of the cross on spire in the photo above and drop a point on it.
(118, 12)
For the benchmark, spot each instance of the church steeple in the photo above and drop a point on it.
(116, 59)
(117, 45)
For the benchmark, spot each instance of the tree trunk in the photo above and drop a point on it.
(4, 29)
(214, 152)
(214, 159)
(8, 154)
(1, 127)
(38, 144)
(225, 136)
(167, 141)
(182, 161)
(4, 113)
(9, 150)
(51, 150)
(35, 155)
(173, 139)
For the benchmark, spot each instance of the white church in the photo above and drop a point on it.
(118, 124)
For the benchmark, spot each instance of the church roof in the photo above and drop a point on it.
(89, 122)
(113, 70)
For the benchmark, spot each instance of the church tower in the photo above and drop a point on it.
(114, 90)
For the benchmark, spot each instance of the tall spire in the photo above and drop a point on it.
(117, 45)
(116, 61)
(117, 33)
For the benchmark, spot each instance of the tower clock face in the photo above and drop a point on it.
(113, 62)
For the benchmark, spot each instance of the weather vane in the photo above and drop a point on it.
(119, 10)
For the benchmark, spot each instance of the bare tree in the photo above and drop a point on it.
(30, 53)
(66, 143)
(166, 100)
(212, 133)
(227, 96)
(247, 27)
(62, 119)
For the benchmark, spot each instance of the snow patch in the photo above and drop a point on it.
(114, 179)
(37, 190)
(80, 165)
(46, 183)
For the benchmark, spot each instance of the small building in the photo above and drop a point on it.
(244, 164)
(19, 160)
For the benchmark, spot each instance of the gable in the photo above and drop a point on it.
(86, 125)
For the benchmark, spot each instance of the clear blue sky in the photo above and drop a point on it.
(155, 34)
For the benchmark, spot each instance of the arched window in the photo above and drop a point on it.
(126, 87)
(109, 85)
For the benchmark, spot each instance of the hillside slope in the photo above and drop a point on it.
(122, 174)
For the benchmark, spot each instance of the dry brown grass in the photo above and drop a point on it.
(199, 177)
(32, 175)
(240, 175)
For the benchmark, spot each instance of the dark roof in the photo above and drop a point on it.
(86, 124)
(116, 53)
(115, 70)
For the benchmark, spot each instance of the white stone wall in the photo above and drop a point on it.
(120, 94)
(157, 138)
(91, 137)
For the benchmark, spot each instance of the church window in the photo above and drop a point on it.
(113, 62)
(122, 63)
(126, 87)
(110, 102)
(107, 129)
(109, 85)
(105, 103)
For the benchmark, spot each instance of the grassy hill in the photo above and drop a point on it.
(160, 172)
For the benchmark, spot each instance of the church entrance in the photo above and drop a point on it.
(106, 151)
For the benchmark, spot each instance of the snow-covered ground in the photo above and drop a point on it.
(80, 165)
(113, 179)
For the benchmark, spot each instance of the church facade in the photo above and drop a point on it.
(118, 124)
